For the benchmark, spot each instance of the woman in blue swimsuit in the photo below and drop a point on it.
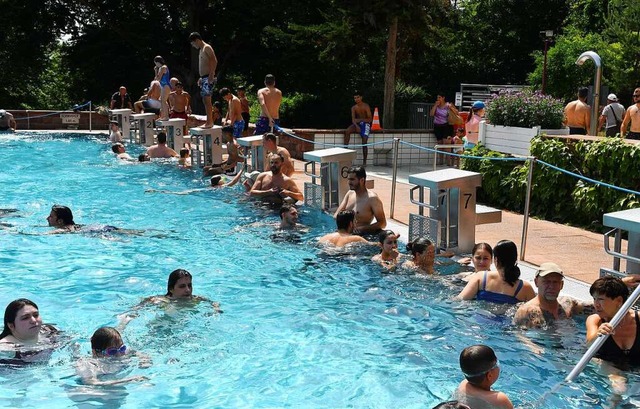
(503, 286)
(163, 75)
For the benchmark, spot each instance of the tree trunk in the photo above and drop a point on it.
(390, 76)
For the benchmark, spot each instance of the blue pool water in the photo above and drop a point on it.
(299, 328)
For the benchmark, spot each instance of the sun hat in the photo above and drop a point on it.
(478, 105)
(612, 97)
(549, 268)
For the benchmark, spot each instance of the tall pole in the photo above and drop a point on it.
(544, 66)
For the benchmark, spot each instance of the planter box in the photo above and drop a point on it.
(507, 139)
(561, 131)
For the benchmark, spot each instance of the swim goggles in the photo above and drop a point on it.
(115, 351)
(473, 375)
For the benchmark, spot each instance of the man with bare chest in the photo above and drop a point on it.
(360, 123)
(632, 118)
(274, 186)
(207, 64)
(577, 114)
(269, 98)
(365, 203)
(234, 112)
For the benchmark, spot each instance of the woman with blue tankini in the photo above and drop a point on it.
(24, 337)
(164, 77)
(503, 286)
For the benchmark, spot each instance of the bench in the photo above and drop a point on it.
(487, 215)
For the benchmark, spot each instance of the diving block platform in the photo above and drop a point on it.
(175, 132)
(145, 127)
(620, 222)
(123, 117)
(206, 145)
(254, 144)
(330, 167)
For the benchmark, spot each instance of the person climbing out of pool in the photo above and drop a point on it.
(503, 286)
(233, 149)
(109, 357)
(481, 370)
(344, 235)
(275, 187)
(7, 121)
(24, 337)
(364, 202)
(161, 150)
(388, 256)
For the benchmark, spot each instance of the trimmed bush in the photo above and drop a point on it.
(525, 109)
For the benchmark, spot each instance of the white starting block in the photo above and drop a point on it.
(256, 149)
(122, 116)
(330, 166)
(175, 132)
(211, 139)
(145, 126)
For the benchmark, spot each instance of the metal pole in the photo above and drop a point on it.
(601, 338)
(596, 101)
(394, 179)
(544, 66)
(90, 109)
(527, 202)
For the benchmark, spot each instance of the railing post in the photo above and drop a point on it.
(527, 202)
(90, 109)
(396, 145)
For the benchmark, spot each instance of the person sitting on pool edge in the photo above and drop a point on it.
(161, 150)
(274, 186)
(344, 236)
(481, 370)
(365, 203)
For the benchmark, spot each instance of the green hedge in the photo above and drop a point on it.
(555, 195)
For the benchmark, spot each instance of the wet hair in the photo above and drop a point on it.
(194, 36)
(269, 137)
(359, 171)
(382, 236)
(476, 361)
(227, 129)
(143, 157)
(344, 218)
(215, 180)
(482, 246)
(452, 404)
(115, 147)
(63, 213)
(269, 79)
(278, 154)
(286, 208)
(159, 59)
(610, 287)
(418, 245)
(224, 92)
(583, 92)
(11, 311)
(506, 256)
(174, 277)
(184, 152)
(105, 337)
(162, 137)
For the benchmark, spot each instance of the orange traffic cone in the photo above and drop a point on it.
(375, 126)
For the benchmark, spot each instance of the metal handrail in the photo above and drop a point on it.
(616, 254)
(312, 173)
(418, 202)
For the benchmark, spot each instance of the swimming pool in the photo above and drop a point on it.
(300, 328)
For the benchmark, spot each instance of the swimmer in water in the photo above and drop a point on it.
(61, 218)
(388, 257)
(24, 335)
(107, 359)
(342, 237)
(423, 252)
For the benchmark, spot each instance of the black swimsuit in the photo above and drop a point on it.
(610, 351)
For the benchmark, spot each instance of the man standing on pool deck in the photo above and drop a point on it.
(161, 150)
(360, 122)
(632, 116)
(274, 186)
(577, 114)
(269, 98)
(234, 112)
(207, 64)
(365, 203)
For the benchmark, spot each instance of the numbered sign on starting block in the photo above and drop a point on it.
(256, 149)
(175, 132)
(208, 142)
(145, 127)
(122, 116)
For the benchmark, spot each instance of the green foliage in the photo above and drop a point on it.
(51, 91)
(555, 195)
(525, 109)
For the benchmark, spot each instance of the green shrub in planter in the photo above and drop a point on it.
(525, 109)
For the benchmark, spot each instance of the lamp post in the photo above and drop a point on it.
(547, 36)
(590, 55)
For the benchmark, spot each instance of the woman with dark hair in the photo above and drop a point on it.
(476, 115)
(164, 77)
(388, 257)
(503, 286)
(62, 218)
(423, 254)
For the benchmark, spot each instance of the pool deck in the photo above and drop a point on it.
(579, 252)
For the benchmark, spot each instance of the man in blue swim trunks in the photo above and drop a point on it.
(360, 122)
(207, 63)
(234, 112)
(269, 98)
